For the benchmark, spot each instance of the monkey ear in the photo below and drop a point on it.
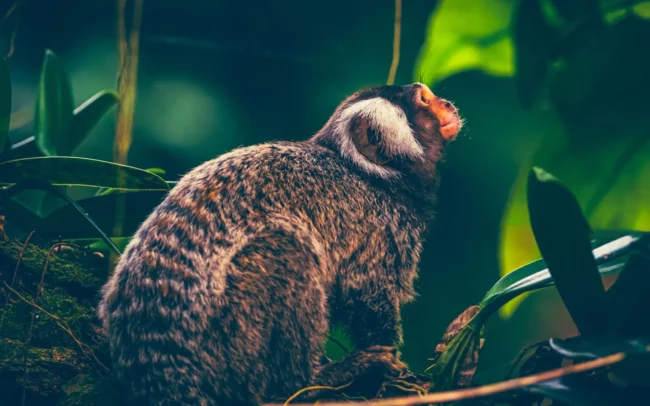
(368, 140)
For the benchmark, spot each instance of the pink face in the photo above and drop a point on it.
(445, 111)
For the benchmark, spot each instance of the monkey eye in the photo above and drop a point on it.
(423, 100)
(374, 137)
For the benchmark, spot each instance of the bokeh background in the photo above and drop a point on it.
(563, 85)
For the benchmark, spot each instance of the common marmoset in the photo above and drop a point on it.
(226, 293)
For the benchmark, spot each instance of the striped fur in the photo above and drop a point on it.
(226, 293)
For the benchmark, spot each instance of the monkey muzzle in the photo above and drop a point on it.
(445, 111)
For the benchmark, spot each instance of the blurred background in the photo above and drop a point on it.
(563, 85)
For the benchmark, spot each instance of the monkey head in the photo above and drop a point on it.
(392, 131)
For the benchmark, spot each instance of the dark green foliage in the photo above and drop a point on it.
(628, 304)
(535, 41)
(54, 104)
(73, 171)
(137, 207)
(562, 234)
(87, 115)
(5, 104)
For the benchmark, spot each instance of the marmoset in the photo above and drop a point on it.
(227, 291)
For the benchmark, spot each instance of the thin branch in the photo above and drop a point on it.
(397, 29)
(15, 8)
(129, 50)
(128, 56)
(85, 349)
(13, 278)
(491, 389)
(30, 333)
(311, 388)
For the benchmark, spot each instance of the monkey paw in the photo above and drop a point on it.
(382, 361)
(363, 373)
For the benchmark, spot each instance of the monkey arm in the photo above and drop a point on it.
(375, 315)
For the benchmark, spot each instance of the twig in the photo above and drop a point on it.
(397, 28)
(13, 279)
(128, 48)
(492, 389)
(30, 332)
(303, 390)
(85, 349)
(15, 8)
(128, 56)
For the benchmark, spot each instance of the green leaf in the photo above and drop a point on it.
(466, 35)
(642, 9)
(87, 115)
(73, 171)
(563, 237)
(137, 207)
(534, 40)
(610, 256)
(5, 104)
(54, 104)
(39, 184)
(157, 171)
(95, 244)
(49, 203)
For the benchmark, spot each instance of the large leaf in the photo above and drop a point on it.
(88, 114)
(464, 35)
(562, 235)
(5, 104)
(95, 244)
(54, 105)
(73, 171)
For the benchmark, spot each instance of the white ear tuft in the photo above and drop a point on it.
(390, 121)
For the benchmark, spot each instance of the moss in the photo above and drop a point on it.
(88, 389)
(82, 282)
(40, 371)
(52, 370)
(45, 331)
